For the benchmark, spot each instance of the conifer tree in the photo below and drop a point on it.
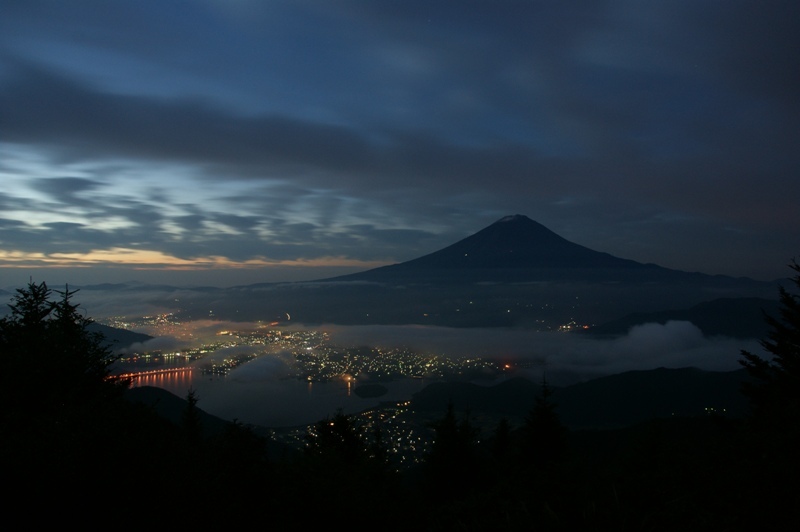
(546, 436)
(62, 414)
(191, 424)
(51, 363)
(337, 437)
(774, 391)
(451, 460)
(501, 446)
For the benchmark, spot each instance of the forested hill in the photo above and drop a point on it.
(118, 338)
(607, 402)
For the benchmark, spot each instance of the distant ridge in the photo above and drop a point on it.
(734, 317)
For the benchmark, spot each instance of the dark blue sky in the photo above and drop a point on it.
(234, 141)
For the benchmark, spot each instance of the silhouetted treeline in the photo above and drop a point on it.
(71, 439)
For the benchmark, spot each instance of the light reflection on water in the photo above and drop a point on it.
(275, 402)
(177, 382)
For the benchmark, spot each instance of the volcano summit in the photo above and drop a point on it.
(519, 250)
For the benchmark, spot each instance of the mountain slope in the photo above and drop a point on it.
(115, 338)
(516, 242)
(518, 249)
(606, 402)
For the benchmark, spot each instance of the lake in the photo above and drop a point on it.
(272, 401)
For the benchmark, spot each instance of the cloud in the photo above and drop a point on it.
(160, 343)
(657, 339)
(563, 357)
(378, 133)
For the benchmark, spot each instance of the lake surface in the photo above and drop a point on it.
(276, 402)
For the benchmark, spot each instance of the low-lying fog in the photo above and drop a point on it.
(565, 357)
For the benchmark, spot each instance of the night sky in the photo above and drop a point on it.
(233, 141)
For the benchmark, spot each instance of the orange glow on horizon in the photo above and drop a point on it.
(157, 260)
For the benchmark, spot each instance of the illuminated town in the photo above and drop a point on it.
(314, 359)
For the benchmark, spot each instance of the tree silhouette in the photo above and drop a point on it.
(451, 464)
(546, 436)
(774, 391)
(51, 362)
(63, 412)
(501, 444)
(191, 424)
(66, 422)
(336, 438)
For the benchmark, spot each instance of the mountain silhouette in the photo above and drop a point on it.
(517, 249)
(516, 242)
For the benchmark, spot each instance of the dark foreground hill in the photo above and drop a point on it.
(607, 402)
(172, 407)
(645, 452)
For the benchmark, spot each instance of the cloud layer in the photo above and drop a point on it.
(295, 140)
